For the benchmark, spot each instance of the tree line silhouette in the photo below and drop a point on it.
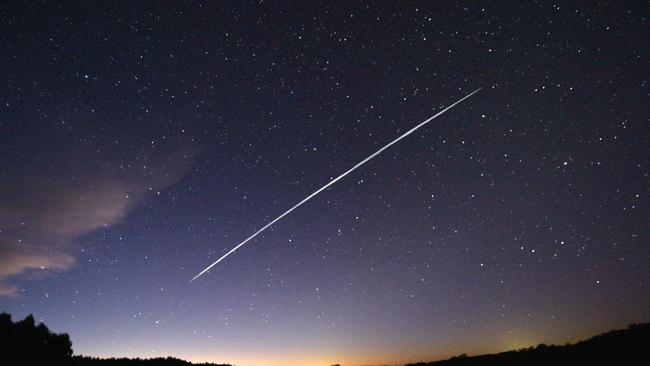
(629, 346)
(23, 343)
(159, 361)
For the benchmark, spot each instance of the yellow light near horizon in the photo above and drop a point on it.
(269, 360)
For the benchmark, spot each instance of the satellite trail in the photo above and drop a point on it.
(333, 181)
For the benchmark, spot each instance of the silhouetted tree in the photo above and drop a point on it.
(24, 343)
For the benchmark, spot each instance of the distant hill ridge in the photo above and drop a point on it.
(629, 346)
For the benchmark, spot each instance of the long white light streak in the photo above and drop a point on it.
(334, 181)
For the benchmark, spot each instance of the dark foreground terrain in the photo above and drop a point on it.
(629, 346)
(23, 343)
(169, 361)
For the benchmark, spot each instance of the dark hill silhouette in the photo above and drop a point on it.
(629, 346)
(24, 343)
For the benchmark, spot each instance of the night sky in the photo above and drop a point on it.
(139, 142)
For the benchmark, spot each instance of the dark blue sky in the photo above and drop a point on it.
(140, 142)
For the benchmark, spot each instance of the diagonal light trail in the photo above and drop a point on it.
(334, 181)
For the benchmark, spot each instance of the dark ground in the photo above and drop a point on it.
(23, 343)
(629, 346)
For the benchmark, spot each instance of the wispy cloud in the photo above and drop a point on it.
(40, 219)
